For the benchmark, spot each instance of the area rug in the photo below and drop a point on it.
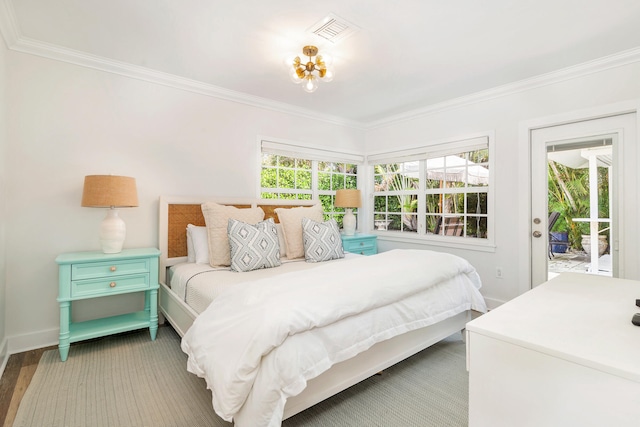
(128, 380)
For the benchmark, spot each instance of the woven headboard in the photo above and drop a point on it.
(176, 213)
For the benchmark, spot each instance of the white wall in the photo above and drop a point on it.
(66, 122)
(3, 166)
(504, 115)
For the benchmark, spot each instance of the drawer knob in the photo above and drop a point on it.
(113, 268)
(112, 284)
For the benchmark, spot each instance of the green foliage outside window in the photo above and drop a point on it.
(455, 190)
(292, 179)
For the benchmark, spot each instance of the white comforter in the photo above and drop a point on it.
(260, 342)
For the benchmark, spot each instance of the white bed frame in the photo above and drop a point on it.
(341, 375)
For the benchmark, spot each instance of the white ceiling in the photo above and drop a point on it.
(407, 55)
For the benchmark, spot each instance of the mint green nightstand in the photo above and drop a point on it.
(84, 275)
(363, 244)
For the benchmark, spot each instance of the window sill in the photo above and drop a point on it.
(480, 245)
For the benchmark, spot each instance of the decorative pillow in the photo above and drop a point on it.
(322, 241)
(253, 246)
(197, 244)
(217, 217)
(291, 220)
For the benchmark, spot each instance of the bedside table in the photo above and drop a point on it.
(363, 244)
(84, 275)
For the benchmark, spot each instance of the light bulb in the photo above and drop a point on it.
(310, 83)
(289, 59)
(293, 75)
(327, 59)
(328, 76)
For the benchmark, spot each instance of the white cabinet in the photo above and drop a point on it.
(562, 354)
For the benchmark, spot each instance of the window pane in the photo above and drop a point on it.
(269, 178)
(338, 182)
(269, 160)
(286, 162)
(303, 164)
(479, 176)
(477, 227)
(351, 182)
(477, 203)
(380, 204)
(324, 181)
(451, 204)
(410, 222)
(432, 222)
(396, 222)
(433, 203)
(286, 178)
(303, 180)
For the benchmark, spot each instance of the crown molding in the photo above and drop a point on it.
(8, 23)
(586, 68)
(16, 41)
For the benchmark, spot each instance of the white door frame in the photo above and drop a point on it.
(524, 177)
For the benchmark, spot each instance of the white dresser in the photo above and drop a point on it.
(562, 354)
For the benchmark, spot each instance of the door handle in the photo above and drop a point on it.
(537, 234)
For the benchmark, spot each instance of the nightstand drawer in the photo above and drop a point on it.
(101, 286)
(360, 244)
(109, 269)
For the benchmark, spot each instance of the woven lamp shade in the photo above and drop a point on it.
(348, 199)
(105, 191)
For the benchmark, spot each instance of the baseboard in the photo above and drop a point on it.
(32, 341)
(4, 354)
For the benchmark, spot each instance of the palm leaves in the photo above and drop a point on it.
(568, 191)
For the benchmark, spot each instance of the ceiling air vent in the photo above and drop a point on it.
(333, 28)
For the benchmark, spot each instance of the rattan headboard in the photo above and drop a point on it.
(175, 213)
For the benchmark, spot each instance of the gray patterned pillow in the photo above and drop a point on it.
(321, 240)
(253, 246)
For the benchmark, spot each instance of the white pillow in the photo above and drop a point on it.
(197, 244)
(281, 241)
(191, 253)
(291, 220)
(253, 246)
(217, 218)
(322, 241)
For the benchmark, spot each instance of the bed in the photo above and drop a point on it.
(350, 300)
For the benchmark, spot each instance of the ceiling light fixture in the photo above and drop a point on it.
(310, 73)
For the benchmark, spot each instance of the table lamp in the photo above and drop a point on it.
(110, 191)
(348, 199)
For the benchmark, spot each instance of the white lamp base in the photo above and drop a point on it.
(349, 223)
(112, 232)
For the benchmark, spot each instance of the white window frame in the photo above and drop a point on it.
(420, 153)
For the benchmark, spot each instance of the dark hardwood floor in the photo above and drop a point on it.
(15, 380)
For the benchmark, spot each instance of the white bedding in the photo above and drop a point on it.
(260, 341)
(199, 284)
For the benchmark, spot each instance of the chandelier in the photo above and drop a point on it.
(311, 72)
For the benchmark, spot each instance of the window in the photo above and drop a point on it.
(439, 190)
(300, 173)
